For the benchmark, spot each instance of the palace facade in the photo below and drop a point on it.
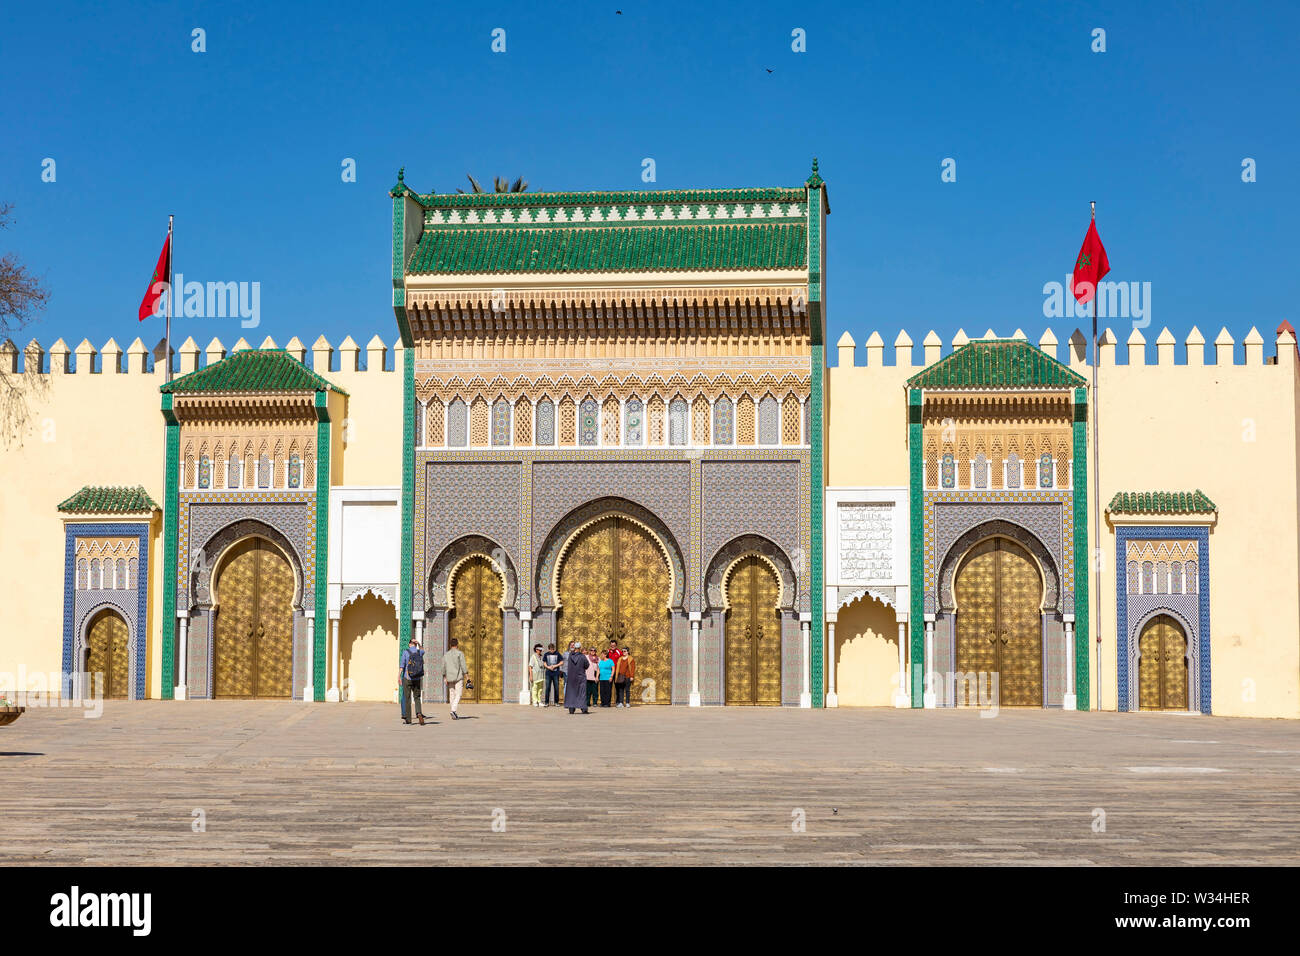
(609, 416)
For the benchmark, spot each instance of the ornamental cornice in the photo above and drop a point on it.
(499, 297)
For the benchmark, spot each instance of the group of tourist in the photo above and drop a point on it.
(590, 678)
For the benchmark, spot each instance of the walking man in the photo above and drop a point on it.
(410, 677)
(454, 672)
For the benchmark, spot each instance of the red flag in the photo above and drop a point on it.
(161, 277)
(1090, 267)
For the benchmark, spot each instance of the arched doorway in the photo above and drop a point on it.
(477, 625)
(253, 648)
(1162, 665)
(753, 634)
(615, 583)
(999, 592)
(106, 654)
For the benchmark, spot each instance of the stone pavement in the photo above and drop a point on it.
(293, 783)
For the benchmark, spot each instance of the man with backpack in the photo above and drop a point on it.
(411, 676)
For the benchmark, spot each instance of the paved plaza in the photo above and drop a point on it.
(296, 783)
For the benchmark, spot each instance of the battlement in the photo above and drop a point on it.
(1226, 350)
(138, 359)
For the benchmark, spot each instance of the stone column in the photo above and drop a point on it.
(832, 698)
(332, 664)
(930, 697)
(805, 631)
(1070, 701)
(901, 696)
(526, 629)
(309, 690)
(180, 691)
(695, 658)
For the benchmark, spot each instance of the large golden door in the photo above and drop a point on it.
(615, 583)
(1162, 666)
(106, 655)
(753, 634)
(999, 594)
(253, 648)
(477, 625)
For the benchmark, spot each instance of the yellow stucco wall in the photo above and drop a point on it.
(866, 654)
(368, 645)
(1230, 429)
(106, 428)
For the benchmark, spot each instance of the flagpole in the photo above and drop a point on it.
(1096, 485)
(171, 294)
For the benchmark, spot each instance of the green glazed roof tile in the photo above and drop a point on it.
(1162, 503)
(616, 197)
(997, 363)
(252, 370)
(631, 248)
(109, 499)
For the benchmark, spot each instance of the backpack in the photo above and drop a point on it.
(415, 666)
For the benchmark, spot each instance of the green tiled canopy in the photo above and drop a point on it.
(1161, 503)
(625, 248)
(997, 363)
(252, 370)
(109, 499)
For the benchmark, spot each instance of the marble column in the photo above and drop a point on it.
(332, 664)
(928, 683)
(181, 692)
(695, 658)
(832, 698)
(805, 630)
(526, 630)
(309, 690)
(901, 696)
(1070, 701)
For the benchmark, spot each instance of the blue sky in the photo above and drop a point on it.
(244, 143)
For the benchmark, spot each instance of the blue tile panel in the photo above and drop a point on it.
(1201, 535)
(138, 530)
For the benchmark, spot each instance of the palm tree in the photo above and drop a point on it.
(499, 185)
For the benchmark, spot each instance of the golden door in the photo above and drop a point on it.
(1162, 666)
(614, 584)
(106, 655)
(477, 625)
(753, 635)
(253, 647)
(999, 593)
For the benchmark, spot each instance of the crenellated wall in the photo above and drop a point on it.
(93, 418)
(1169, 421)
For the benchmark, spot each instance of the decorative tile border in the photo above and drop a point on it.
(1125, 653)
(137, 622)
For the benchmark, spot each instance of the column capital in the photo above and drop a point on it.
(695, 616)
(805, 617)
(525, 615)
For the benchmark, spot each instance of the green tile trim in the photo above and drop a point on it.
(322, 544)
(1162, 503)
(171, 529)
(628, 248)
(109, 499)
(916, 547)
(399, 267)
(997, 363)
(252, 370)
(1082, 562)
(817, 495)
(631, 197)
(405, 601)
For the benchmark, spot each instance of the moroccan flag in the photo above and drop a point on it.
(161, 274)
(1090, 267)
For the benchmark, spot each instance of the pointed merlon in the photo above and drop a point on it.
(1137, 348)
(846, 351)
(960, 339)
(1195, 347)
(268, 343)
